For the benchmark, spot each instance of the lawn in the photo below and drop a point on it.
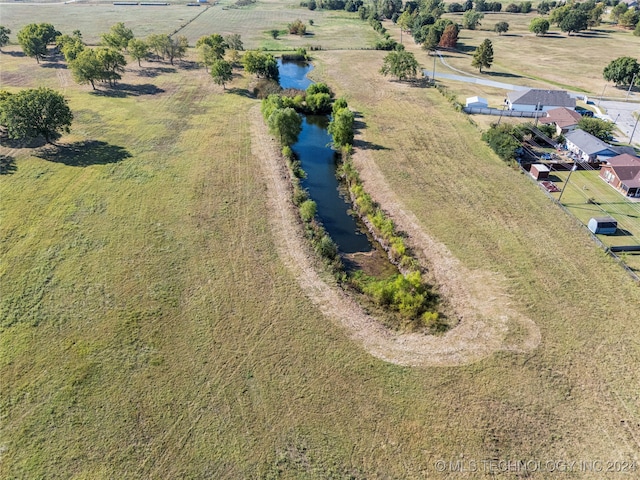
(587, 195)
(149, 328)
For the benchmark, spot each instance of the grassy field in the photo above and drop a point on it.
(556, 60)
(331, 30)
(150, 330)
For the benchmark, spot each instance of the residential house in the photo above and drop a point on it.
(587, 148)
(623, 173)
(564, 119)
(536, 100)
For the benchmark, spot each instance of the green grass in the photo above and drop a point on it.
(331, 29)
(556, 60)
(584, 186)
(150, 330)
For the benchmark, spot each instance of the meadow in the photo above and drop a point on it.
(150, 329)
(330, 30)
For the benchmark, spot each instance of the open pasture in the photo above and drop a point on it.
(331, 29)
(555, 60)
(149, 329)
(95, 19)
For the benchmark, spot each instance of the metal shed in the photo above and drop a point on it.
(603, 225)
(539, 171)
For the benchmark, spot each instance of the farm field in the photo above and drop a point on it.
(331, 30)
(150, 329)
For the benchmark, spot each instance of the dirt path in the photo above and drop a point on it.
(487, 322)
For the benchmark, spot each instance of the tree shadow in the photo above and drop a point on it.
(466, 49)
(14, 53)
(121, 90)
(243, 92)
(189, 65)
(151, 72)
(85, 153)
(358, 126)
(502, 74)
(22, 142)
(54, 64)
(7, 165)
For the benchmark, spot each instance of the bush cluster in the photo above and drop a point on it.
(505, 140)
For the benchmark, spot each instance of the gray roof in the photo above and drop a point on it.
(546, 98)
(587, 142)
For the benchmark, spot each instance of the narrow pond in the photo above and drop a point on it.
(320, 163)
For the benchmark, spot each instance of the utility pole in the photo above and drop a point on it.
(634, 129)
(433, 74)
(630, 87)
(602, 94)
(573, 169)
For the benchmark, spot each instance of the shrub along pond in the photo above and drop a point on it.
(341, 231)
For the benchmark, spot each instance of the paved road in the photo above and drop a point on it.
(622, 114)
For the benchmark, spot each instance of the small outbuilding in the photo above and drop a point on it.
(539, 171)
(476, 102)
(603, 225)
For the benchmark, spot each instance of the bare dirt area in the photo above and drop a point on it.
(476, 298)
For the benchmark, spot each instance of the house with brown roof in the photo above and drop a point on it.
(537, 100)
(565, 119)
(623, 173)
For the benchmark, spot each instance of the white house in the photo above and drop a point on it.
(536, 100)
(588, 148)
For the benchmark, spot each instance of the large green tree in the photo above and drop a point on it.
(4, 35)
(101, 64)
(221, 72)
(471, 19)
(217, 44)
(501, 27)
(35, 37)
(118, 37)
(401, 64)
(622, 70)
(70, 45)
(86, 68)
(574, 21)
(539, 26)
(597, 127)
(483, 56)
(112, 63)
(138, 49)
(341, 127)
(35, 112)
(260, 64)
(286, 124)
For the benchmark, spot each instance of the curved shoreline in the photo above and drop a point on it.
(484, 321)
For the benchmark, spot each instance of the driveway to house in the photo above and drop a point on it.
(621, 113)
